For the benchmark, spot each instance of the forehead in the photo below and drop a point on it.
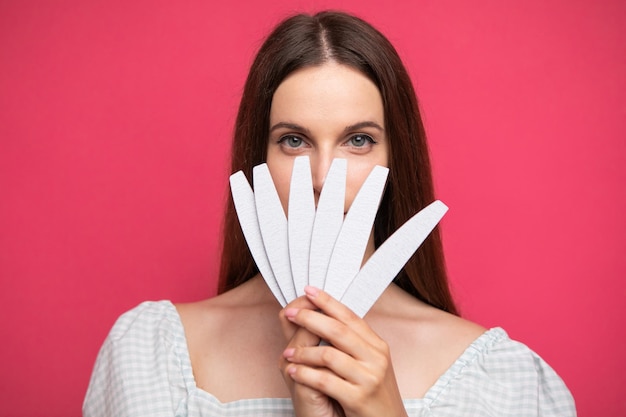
(329, 93)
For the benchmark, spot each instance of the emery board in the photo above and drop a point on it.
(266, 230)
(273, 225)
(390, 257)
(300, 217)
(349, 249)
(328, 221)
(245, 205)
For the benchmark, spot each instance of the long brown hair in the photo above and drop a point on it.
(302, 41)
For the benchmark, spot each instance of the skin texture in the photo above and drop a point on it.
(355, 370)
(398, 350)
(326, 112)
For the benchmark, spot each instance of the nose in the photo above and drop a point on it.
(320, 164)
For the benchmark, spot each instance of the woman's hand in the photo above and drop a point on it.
(355, 370)
(307, 401)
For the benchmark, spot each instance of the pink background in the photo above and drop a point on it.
(115, 118)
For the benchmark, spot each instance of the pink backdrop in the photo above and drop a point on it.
(115, 119)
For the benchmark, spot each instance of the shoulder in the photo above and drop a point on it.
(509, 361)
(436, 337)
(142, 366)
(460, 368)
(137, 332)
(150, 318)
(500, 376)
(209, 324)
(233, 341)
(220, 312)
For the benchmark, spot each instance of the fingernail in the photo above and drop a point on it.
(290, 313)
(291, 370)
(312, 292)
(288, 353)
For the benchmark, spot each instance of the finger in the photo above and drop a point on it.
(354, 400)
(347, 330)
(333, 308)
(289, 328)
(301, 302)
(302, 338)
(330, 358)
(320, 379)
(366, 374)
(331, 330)
(307, 401)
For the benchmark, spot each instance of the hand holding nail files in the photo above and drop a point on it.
(293, 252)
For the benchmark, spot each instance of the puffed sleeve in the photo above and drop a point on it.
(500, 377)
(138, 369)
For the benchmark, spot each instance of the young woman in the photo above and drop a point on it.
(327, 86)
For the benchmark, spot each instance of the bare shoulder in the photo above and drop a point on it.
(229, 318)
(424, 323)
(252, 295)
(445, 329)
(424, 341)
(232, 336)
(201, 319)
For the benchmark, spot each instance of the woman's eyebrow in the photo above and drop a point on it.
(351, 128)
(290, 126)
(361, 125)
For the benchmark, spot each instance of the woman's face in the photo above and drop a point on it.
(326, 112)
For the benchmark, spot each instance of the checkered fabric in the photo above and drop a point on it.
(144, 369)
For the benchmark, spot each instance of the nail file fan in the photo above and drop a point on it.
(273, 225)
(328, 221)
(390, 257)
(347, 255)
(301, 214)
(245, 205)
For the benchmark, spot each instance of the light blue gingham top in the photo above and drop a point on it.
(144, 369)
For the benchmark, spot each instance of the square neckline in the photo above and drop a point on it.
(480, 344)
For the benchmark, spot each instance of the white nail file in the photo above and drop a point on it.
(328, 221)
(273, 225)
(390, 257)
(301, 214)
(245, 205)
(349, 249)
